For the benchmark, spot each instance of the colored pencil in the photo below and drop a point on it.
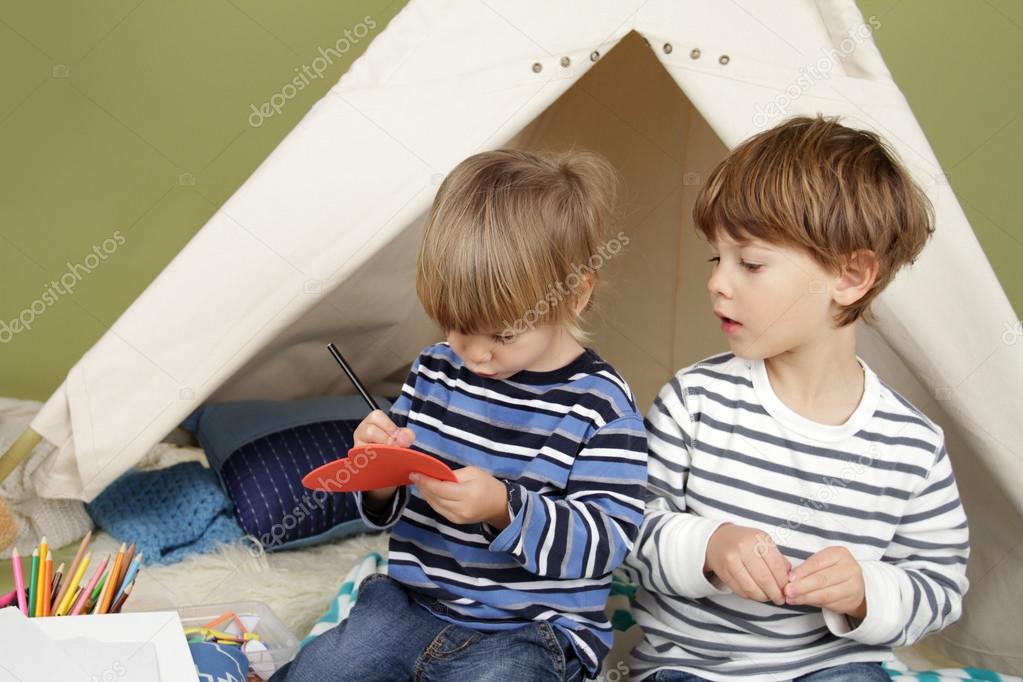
(40, 584)
(128, 558)
(116, 608)
(107, 595)
(87, 590)
(99, 587)
(45, 588)
(19, 581)
(129, 575)
(8, 598)
(55, 588)
(33, 582)
(74, 568)
(76, 579)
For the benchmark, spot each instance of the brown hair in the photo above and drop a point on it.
(815, 184)
(510, 237)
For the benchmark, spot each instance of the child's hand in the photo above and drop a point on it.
(747, 560)
(477, 497)
(831, 579)
(377, 428)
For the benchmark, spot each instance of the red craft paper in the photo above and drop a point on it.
(375, 466)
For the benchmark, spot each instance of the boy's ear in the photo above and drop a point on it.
(583, 293)
(856, 277)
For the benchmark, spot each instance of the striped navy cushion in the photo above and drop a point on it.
(264, 479)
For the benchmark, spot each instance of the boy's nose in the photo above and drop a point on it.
(717, 284)
(478, 354)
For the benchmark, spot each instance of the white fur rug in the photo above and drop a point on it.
(298, 585)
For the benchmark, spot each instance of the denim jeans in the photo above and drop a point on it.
(850, 672)
(388, 636)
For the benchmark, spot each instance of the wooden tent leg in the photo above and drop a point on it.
(18, 452)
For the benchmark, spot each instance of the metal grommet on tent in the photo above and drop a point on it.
(694, 53)
(565, 61)
(594, 56)
(537, 67)
(667, 48)
(723, 59)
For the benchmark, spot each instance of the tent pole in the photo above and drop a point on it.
(18, 452)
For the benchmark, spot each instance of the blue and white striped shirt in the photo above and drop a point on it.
(724, 448)
(572, 447)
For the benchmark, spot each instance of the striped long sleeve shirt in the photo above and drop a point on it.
(571, 448)
(724, 448)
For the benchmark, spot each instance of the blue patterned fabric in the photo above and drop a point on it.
(262, 449)
(168, 513)
(264, 478)
(219, 662)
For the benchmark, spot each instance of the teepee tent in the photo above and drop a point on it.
(315, 248)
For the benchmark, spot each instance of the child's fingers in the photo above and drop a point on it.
(827, 557)
(822, 597)
(438, 489)
(779, 567)
(375, 428)
(820, 581)
(741, 575)
(728, 580)
(765, 579)
(405, 437)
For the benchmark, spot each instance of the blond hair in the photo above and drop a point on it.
(511, 236)
(830, 190)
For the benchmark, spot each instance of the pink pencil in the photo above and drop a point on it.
(8, 598)
(89, 588)
(19, 581)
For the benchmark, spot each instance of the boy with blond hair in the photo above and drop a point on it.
(802, 517)
(503, 575)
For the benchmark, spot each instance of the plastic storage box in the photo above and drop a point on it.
(281, 643)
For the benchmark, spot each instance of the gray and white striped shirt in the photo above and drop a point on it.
(723, 447)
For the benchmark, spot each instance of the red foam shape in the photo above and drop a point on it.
(368, 467)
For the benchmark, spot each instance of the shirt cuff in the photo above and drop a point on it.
(884, 607)
(508, 538)
(686, 541)
(388, 515)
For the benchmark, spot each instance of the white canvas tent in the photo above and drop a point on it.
(319, 243)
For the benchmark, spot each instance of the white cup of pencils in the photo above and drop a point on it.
(41, 592)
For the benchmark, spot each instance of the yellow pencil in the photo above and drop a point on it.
(112, 581)
(65, 603)
(38, 594)
(71, 571)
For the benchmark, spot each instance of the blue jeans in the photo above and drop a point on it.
(850, 672)
(388, 636)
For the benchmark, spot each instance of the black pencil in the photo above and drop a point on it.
(351, 375)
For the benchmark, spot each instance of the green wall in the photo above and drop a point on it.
(124, 125)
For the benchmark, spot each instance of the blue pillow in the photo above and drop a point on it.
(261, 450)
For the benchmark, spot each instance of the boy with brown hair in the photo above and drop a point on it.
(802, 517)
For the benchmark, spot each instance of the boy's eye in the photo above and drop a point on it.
(752, 267)
(714, 259)
(504, 338)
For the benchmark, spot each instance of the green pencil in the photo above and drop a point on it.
(33, 584)
(99, 587)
